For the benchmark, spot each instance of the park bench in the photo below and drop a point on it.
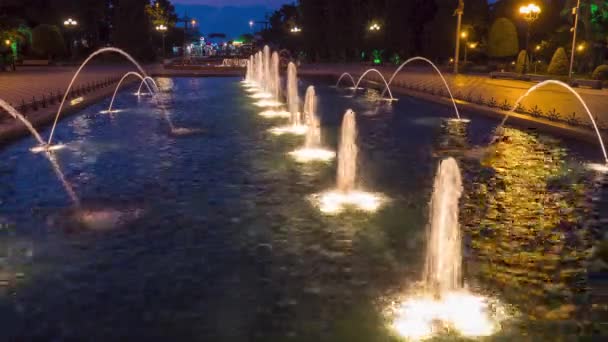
(35, 62)
(505, 75)
(593, 84)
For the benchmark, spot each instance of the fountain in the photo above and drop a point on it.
(145, 81)
(444, 303)
(42, 147)
(274, 90)
(443, 258)
(352, 80)
(391, 98)
(346, 195)
(312, 150)
(293, 104)
(67, 92)
(130, 73)
(597, 167)
(435, 68)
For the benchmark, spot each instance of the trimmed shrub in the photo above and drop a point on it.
(522, 61)
(503, 41)
(559, 63)
(601, 73)
(47, 41)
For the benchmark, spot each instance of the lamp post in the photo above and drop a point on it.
(575, 12)
(530, 14)
(69, 25)
(458, 12)
(251, 23)
(465, 35)
(163, 30)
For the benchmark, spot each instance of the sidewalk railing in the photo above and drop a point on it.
(53, 98)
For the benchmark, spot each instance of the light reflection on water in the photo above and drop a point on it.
(227, 233)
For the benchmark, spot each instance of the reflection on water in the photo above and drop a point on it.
(525, 214)
(218, 241)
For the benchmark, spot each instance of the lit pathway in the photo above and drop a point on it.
(27, 82)
(548, 98)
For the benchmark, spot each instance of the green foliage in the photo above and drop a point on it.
(522, 61)
(559, 63)
(503, 41)
(601, 73)
(47, 41)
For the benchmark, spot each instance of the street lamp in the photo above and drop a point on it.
(465, 35)
(296, 29)
(251, 23)
(163, 30)
(70, 24)
(374, 27)
(575, 12)
(530, 13)
(7, 42)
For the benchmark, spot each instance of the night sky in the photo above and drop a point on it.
(227, 16)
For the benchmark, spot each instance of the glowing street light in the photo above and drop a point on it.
(374, 27)
(530, 14)
(162, 29)
(580, 47)
(296, 29)
(7, 42)
(193, 22)
(70, 22)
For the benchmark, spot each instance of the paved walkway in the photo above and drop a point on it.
(27, 82)
(548, 98)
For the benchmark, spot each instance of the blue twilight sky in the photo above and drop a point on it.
(227, 16)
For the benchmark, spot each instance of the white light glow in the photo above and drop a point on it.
(46, 148)
(275, 114)
(114, 111)
(469, 315)
(261, 95)
(306, 155)
(295, 130)
(77, 100)
(268, 103)
(335, 202)
(459, 120)
(601, 168)
(182, 131)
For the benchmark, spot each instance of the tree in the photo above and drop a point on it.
(522, 61)
(559, 63)
(132, 28)
(47, 41)
(502, 40)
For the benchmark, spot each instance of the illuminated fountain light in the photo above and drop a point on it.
(346, 195)
(261, 95)
(113, 111)
(47, 148)
(424, 317)
(335, 202)
(601, 168)
(268, 103)
(459, 120)
(306, 155)
(183, 131)
(289, 129)
(312, 150)
(445, 305)
(270, 114)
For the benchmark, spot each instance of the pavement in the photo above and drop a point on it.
(28, 82)
(548, 98)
